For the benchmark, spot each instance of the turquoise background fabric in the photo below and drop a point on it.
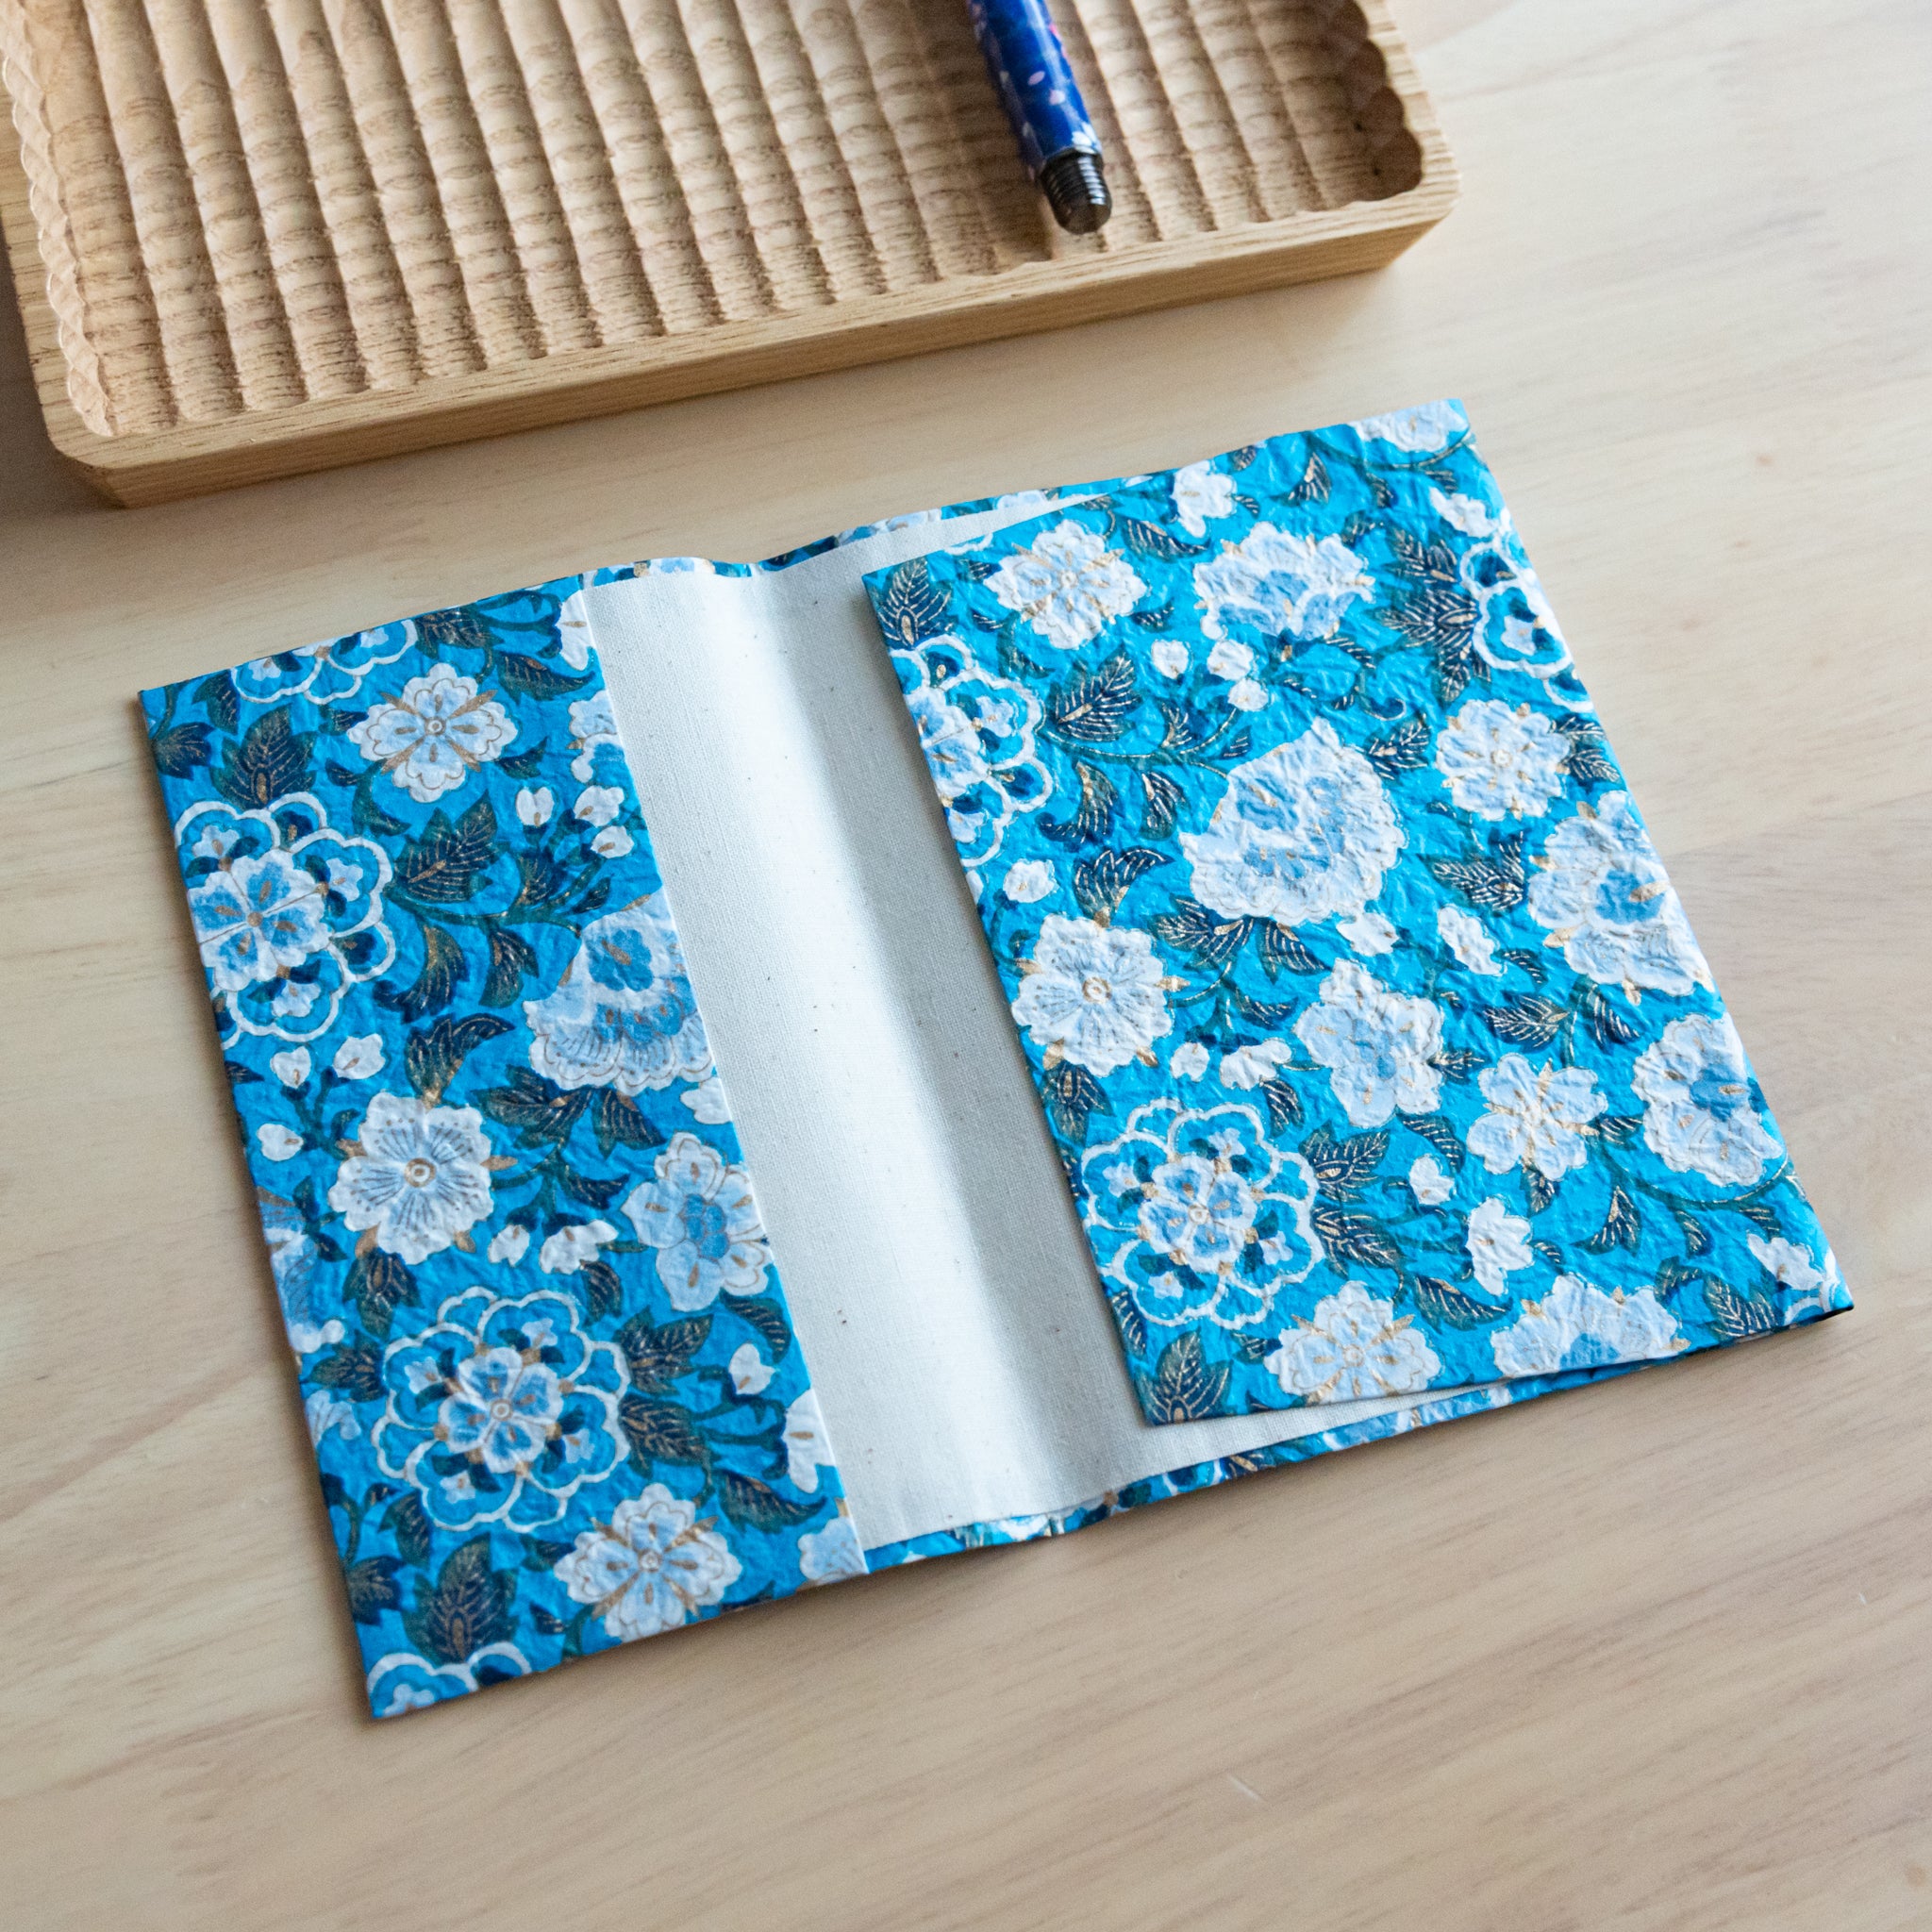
(545, 1353)
(545, 1356)
(1379, 1053)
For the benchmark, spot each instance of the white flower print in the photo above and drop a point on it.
(1368, 934)
(1188, 1061)
(597, 805)
(1537, 1116)
(1230, 660)
(651, 1567)
(1428, 1183)
(1248, 1066)
(1501, 761)
(749, 1371)
(290, 1068)
(1498, 1243)
(1430, 426)
(700, 1216)
(294, 1257)
(277, 1142)
(570, 1249)
(267, 909)
(1518, 638)
(1302, 832)
(403, 1681)
(706, 1102)
(1244, 695)
(573, 632)
(257, 917)
(1092, 994)
(1464, 513)
(625, 1015)
(1199, 1212)
(976, 732)
(1067, 584)
(1030, 881)
(1198, 1215)
(1791, 1268)
(1515, 631)
(1469, 939)
(1787, 1263)
(293, 998)
(534, 807)
(322, 673)
(1378, 1046)
(826, 1555)
(419, 1176)
(1275, 580)
(501, 1410)
(1170, 657)
(510, 1244)
(592, 723)
(1351, 1348)
(807, 1447)
(1601, 891)
(344, 880)
(1201, 493)
(359, 1058)
(326, 1411)
(1578, 1327)
(1530, 643)
(306, 1338)
(950, 740)
(613, 842)
(1698, 1110)
(429, 737)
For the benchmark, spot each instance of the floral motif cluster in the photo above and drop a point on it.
(1380, 1053)
(547, 1364)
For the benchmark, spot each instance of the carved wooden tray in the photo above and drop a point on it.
(258, 236)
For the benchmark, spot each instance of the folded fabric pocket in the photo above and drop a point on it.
(1378, 1050)
(547, 1362)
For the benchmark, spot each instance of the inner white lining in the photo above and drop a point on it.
(940, 1284)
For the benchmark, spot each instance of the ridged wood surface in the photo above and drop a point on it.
(247, 207)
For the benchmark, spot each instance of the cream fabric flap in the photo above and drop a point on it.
(937, 1274)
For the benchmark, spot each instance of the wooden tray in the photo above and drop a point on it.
(257, 237)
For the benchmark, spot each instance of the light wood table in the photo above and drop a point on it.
(1653, 1654)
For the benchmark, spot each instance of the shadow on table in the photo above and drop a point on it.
(32, 473)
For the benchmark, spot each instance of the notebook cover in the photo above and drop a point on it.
(554, 1391)
(548, 1367)
(1378, 1049)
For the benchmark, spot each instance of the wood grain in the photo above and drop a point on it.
(256, 238)
(1651, 1658)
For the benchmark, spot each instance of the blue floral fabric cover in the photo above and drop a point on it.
(546, 1359)
(555, 1395)
(1379, 1053)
